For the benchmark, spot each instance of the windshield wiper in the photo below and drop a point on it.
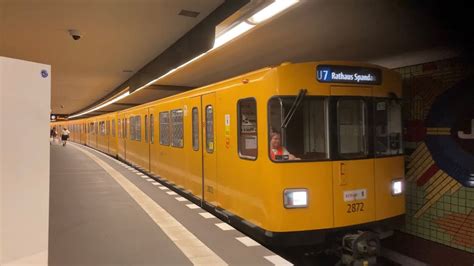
(294, 107)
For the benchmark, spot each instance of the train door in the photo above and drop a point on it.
(208, 111)
(353, 173)
(195, 180)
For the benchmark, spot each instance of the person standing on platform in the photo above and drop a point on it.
(65, 135)
(52, 135)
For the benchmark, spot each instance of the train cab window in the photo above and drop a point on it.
(388, 127)
(165, 128)
(146, 129)
(152, 129)
(298, 129)
(195, 128)
(247, 110)
(177, 128)
(209, 129)
(352, 128)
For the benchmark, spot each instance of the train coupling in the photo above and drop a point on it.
(360, 249)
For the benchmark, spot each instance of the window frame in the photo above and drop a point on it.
(246, 157)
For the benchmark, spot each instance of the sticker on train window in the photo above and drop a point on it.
(351, 195)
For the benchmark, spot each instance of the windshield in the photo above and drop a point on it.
(360, 128)
(305, 135)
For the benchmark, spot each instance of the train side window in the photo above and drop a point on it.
(165, 128)
(107, 129)
(113, 127)
(146, 129)
(125, 128)
(247, 128)
(138, 128)
(177, 139)
(132, 128)
(209, 129)
(352, 128)
(119, 125)
(152, 129)
(195, 128)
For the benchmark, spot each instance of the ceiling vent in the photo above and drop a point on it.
(188, 13)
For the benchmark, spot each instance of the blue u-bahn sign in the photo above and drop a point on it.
(348, 74)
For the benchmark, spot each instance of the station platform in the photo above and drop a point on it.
(104, 212)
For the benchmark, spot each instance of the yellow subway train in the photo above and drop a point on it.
(291, 154)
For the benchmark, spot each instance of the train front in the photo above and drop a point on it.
(335, 150)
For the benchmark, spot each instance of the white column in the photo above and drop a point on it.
(25, 92)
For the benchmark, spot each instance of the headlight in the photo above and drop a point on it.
(397, 187)
(295, 198)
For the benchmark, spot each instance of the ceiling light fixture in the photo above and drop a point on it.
(231, 34)
(271, 10)
(116, 99)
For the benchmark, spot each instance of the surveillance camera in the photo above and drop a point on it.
(75, 34)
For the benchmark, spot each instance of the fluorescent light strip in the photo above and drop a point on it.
(271, 10)
(102, 105)
(171, 71)
(231, 34)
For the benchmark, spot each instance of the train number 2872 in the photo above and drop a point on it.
(355, 207)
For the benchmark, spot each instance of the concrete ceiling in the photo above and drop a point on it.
(126, 34)
(384, 32)
(118, 35)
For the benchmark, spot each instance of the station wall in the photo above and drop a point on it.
(439, 145)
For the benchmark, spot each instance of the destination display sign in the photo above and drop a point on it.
(348, 74)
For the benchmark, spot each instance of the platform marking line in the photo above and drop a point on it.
(144, 176)
(277, 260)
(247, 241)
(150, 180)
(207, 215)
(163, 188)
(225, 226)
(180, 199)
(192, 206)
(155, 183)
(171, 193)
(195, 250)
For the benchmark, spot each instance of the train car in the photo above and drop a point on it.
(290, 154)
